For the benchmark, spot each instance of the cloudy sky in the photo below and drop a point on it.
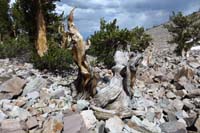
(129, 13)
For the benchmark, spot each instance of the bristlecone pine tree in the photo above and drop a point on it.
(36, 17)
(185, 31)
(5, 21)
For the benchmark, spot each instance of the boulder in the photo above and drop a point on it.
(3, 116)
(89, 119)
(34, 85)
(173, 127)
(114, 125)
(31, 122)
(12, 126)
(74, 123)
(82, 104)
(11, 88)
(52, 126)
(33, 95)
(178, 104)
(184, 71)
(197, 124)
(145, 124)
(20, 113)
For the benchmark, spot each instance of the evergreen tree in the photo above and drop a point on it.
(185, 31)
(110, 38)
(5, 22)
(24, 14)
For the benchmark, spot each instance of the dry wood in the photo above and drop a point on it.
(41, 41)
(115, 97)
(87, 79)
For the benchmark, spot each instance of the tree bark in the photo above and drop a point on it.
(115, 97)
(41, 41)
(87, 79)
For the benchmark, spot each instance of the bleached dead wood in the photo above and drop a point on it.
(115, 97)
(41, 41)
(87, 79)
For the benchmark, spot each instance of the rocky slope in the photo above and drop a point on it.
(166, 96)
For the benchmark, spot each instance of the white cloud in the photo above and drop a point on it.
(11, 2)
(129, 13)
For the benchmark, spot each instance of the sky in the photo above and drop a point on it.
(129, 13)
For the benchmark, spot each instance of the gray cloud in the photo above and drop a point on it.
(130, 13)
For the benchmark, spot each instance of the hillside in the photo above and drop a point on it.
(166, 96)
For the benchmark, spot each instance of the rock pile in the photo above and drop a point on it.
(166, 98)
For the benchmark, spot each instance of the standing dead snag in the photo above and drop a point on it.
(41, 41)
(87, 79)
(65, 39)
(115, 97)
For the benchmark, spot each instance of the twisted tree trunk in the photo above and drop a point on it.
(87, 79)
(41, 41)
(115, 97)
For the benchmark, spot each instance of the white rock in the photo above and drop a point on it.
(33, 95)
(82, 104)
(114, 125)
(146, 124)
(19, 112)
(2, 116)
(35, 85)
(89, 119)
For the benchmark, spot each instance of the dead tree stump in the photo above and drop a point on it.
(115, 97)
(87, 79)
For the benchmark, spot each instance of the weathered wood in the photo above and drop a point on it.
(115, 97)
(87, 79)
(65, 38)
(41, 41)
(104, 114)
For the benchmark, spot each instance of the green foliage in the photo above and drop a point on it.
(56, 59)
(14, 47)
(110, 38)
(183, 29)
(5, 22)
(24, 17)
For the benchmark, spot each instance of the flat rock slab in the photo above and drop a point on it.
(53, 126)
(74, 124)
(114, 125)
(89, 119)
(31, 122)
(12, 126)
(34, 85)
(12, 87)
(173, 127)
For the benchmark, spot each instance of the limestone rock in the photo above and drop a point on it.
(21, 113)
(3, 116)
(89, 119)
(197, 124)
(82, 104)
(53, 126)
(74, 124)
(35, 85)
(12, 126)
(11, 88)
(114, 125)
(31, 122)
(173, 127)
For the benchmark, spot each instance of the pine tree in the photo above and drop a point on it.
(111, 38)
(5, 22)
(185, 31)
